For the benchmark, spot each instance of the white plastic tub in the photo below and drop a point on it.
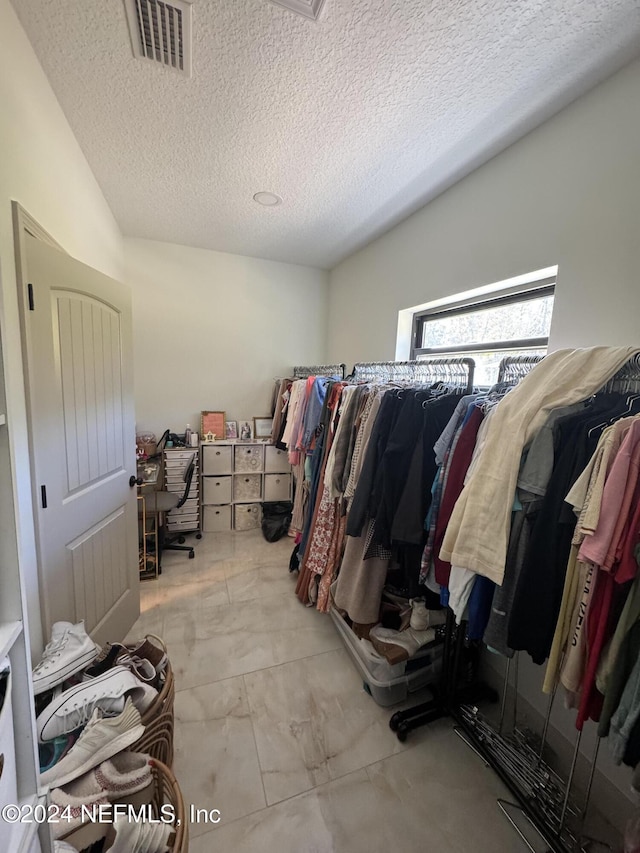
(388, 684)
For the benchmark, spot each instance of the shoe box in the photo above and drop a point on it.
(389, 684)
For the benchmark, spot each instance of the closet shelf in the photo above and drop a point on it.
(9, 633)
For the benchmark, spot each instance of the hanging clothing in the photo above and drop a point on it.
(478, 533)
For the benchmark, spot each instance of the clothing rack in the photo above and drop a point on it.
(456, 371)
(627, 378)
(320, 370)
(513, 368)
(542, 797)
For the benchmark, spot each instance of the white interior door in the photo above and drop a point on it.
(82, 438)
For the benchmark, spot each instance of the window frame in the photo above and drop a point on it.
(535, 290)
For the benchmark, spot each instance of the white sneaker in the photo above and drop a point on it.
(63, 847)
(72, 708)
(139, 837)
(69, 651)
(102, 738)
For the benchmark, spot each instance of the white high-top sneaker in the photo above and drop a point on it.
(108, 692)
(69, 651)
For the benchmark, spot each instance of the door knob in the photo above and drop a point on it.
(135, 481)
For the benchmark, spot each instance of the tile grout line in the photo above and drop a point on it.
(307, 791)
(255, 743)
(260, 669)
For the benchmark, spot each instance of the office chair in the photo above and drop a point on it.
(164, 501)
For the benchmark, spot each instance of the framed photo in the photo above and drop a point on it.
(213, 423)
(231, 429)
(262, 427)
(246, 431)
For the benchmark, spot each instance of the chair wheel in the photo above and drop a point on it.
(395, 722)
(403, 732)
(181, 540)
(191, 555)
(198, 535)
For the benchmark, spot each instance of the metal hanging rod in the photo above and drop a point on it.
(627, 378)
(458, 371)
(320, 370)
(513, 368)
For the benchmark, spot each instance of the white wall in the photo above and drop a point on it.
(42, 167)
(212, 330)
(565, 194)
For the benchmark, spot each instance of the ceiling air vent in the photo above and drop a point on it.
(308, 8)
(161, 31)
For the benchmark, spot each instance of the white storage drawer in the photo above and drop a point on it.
(217, 459)
(216, 518)
(248, 458)
(247, 487)
(246, 516)
(276, 461)
(8, 784)
(178, 488)
(186, 523)
(277, 487)
(173, 458)
(189, 507)
(216, 490)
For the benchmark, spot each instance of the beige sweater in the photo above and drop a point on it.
(478, 531)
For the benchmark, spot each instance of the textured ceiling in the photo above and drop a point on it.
(355, 120)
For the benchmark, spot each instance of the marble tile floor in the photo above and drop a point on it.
(274, 730)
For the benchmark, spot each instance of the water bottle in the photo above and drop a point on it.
(187, 436)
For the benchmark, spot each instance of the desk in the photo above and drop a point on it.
(148, 520)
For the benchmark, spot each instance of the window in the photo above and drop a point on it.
(515, 323)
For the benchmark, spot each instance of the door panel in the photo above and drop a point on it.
(99, 562)
(91, 387)
(82, 438)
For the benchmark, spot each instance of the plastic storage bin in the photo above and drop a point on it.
(388, 684)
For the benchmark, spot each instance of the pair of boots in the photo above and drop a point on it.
(397, 646)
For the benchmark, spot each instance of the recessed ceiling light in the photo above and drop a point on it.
(267, 199)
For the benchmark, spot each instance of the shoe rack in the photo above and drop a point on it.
(14, 645)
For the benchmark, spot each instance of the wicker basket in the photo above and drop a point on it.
(167, 792)
(157, 739)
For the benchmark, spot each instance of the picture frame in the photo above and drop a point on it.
(213, 422)
(230, 430)
(262, 427)
(245, 431)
